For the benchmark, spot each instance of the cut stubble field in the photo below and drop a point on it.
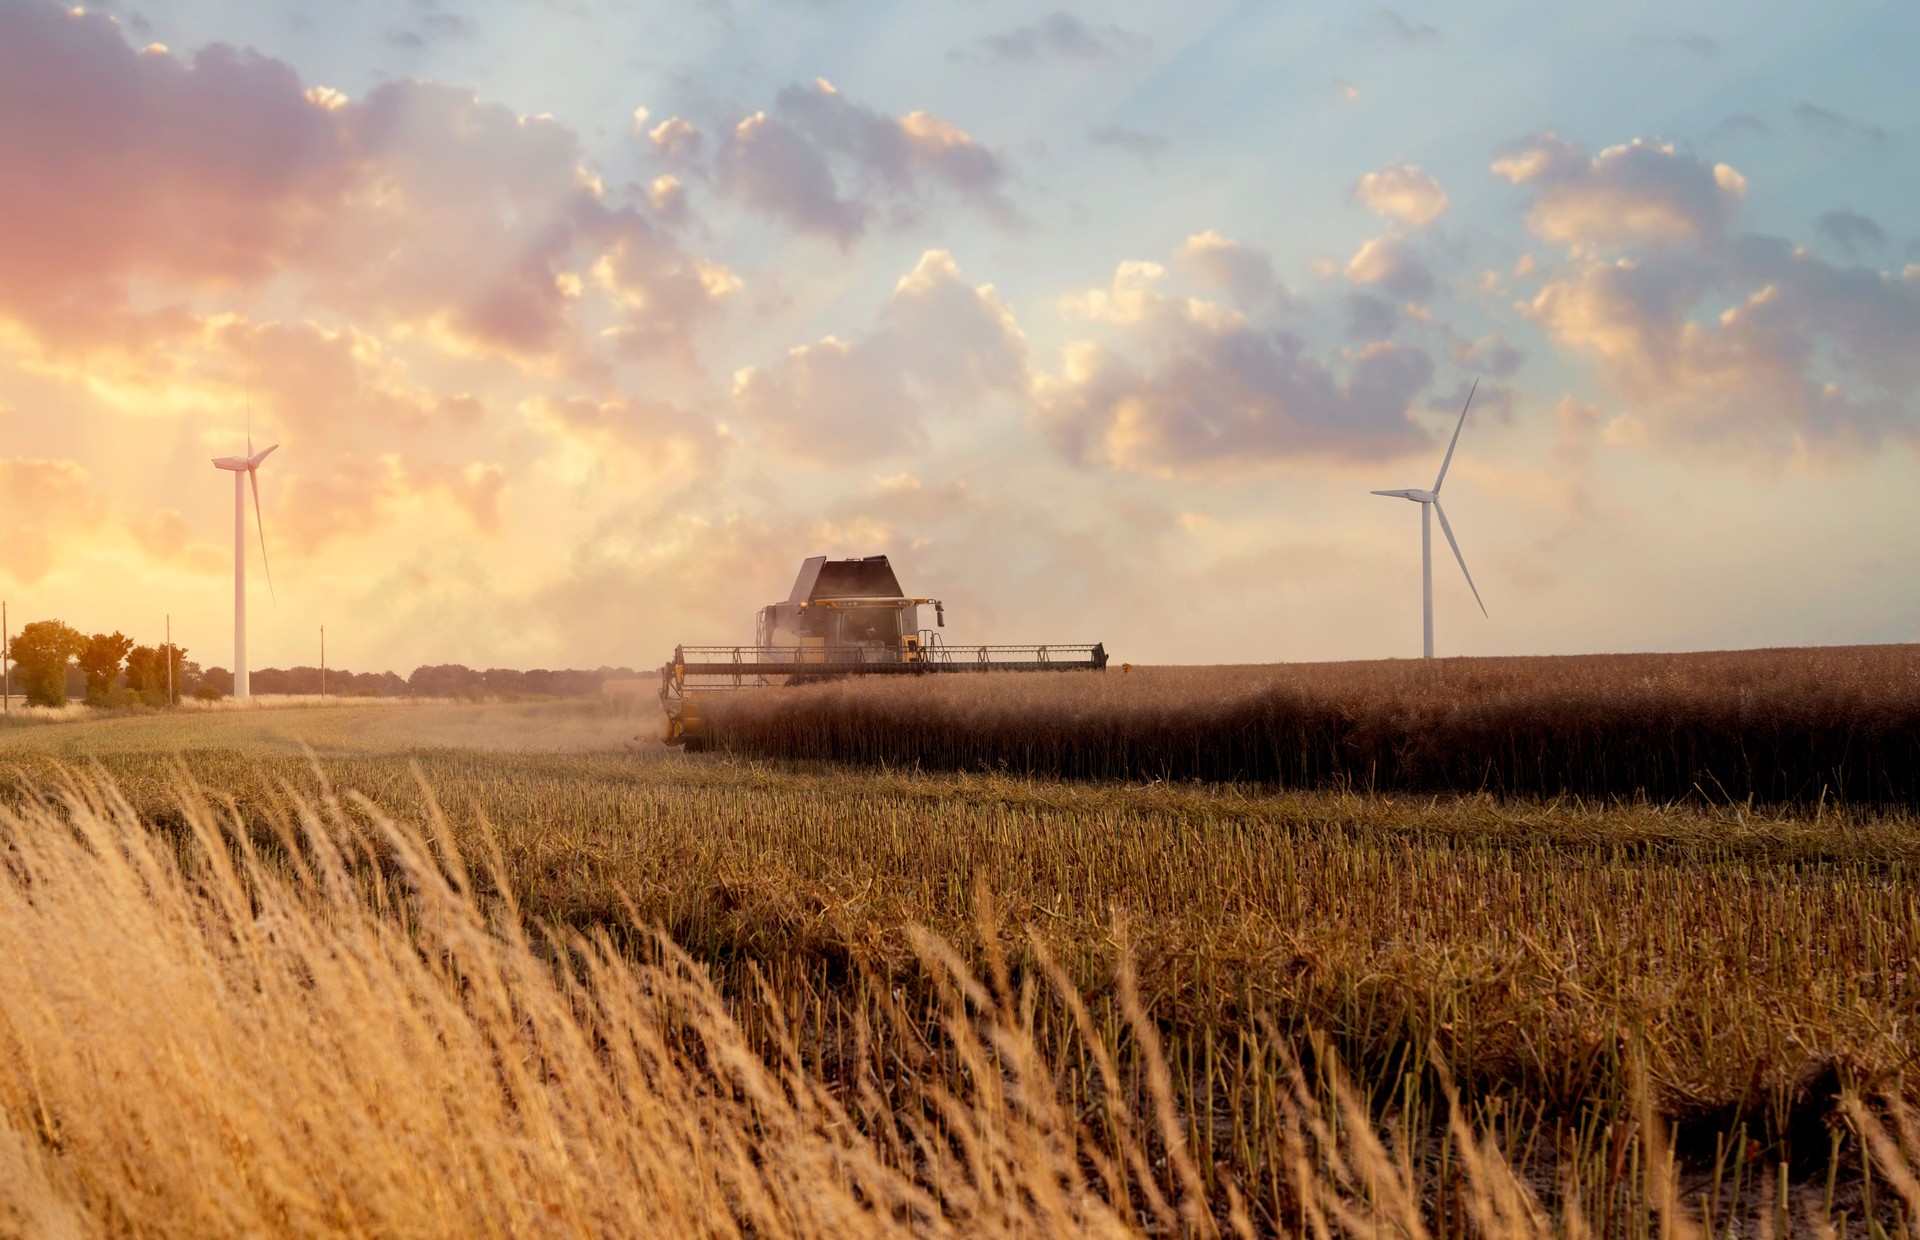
(1609, 984)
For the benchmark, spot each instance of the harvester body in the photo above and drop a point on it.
(842, 618)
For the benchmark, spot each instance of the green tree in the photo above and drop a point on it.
(147, 673)
(100, 662)
(42, 651)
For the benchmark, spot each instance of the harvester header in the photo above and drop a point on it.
(842, 618)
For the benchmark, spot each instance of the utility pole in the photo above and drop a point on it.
(323, 662)
(6, 668)
(169, 658)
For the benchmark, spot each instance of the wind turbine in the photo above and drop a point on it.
(249, 466)
(1429, 502)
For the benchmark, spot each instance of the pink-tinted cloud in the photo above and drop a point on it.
(1741, 340)
(1402, 192)
(1640, 192)
(418, 204)
(824, 163)
(355, 495)
(1243, 272)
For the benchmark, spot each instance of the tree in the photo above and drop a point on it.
(100, 661)
(42, 651)
(147, 673)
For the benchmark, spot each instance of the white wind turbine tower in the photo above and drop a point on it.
(248, 466)
(1429, 502)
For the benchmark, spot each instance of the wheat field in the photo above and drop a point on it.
(1207, 969)
(1799, 726)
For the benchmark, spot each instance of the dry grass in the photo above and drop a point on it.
(1774, 726)
(1756, 962)
(320, 1023)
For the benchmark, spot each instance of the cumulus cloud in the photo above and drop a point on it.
(1243, 272)
(1747, 340)
(676, 140)
(323, 385)
(1390, 264)
(1060, 35)
(823, 163)
(1638, 192)
(940, 344)
(417, 204)
(1403, 193)
(1195, 389)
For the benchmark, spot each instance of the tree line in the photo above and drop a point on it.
(54, 663)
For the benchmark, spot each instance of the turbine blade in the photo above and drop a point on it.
(253, 477)
(1456, 436)
(254, 459)
(1446, 529)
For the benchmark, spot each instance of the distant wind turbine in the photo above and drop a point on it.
(1429, 502)
(249, 465)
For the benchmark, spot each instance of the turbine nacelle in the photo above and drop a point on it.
(240, 464)
(1413, 493)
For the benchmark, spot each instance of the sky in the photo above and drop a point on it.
(580, 324)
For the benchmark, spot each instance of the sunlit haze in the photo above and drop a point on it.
(579, 324)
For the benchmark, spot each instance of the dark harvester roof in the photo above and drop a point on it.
(871, 577)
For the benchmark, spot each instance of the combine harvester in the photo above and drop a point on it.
(844, 618)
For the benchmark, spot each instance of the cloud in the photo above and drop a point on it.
(676, 140)
(1242, 272)
(114, 161)
(1060, 35)
(1370, 317)
(1745, 341)
(1492, 354)
(322, 385)
(1851, 231)
(940, 345)
(1401, 192)
(1831, 126)
(1389, 263)
(1397, 28)
(1198, 390)
(41, 502)
(357, 496)
(663, 438)
(823, 163)
(1136, 142)
(417, 205)
(773, 168)
(1638, 192)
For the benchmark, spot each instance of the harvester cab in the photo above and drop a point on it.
(842, 618)
(846, 603)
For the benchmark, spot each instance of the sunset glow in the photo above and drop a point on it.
(581, 325)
